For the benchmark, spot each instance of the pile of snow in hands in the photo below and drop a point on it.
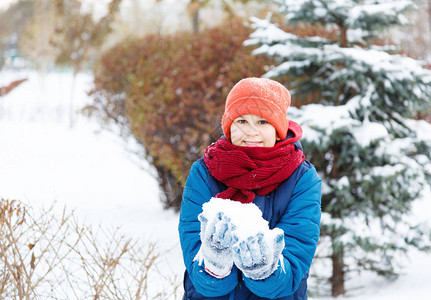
(244, 222)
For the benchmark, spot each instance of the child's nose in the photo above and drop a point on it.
(252, 130)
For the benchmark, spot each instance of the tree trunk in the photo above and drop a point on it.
(343, 37)
(196, 21)
(429, 24)
(72, 99)
(193, 10)
(337, 279)
(171, 189)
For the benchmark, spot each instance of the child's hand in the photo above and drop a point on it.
(257, 256)
(216, 237)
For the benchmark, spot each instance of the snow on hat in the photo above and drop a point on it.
(258, 96)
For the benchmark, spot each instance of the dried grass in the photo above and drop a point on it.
(43, 256)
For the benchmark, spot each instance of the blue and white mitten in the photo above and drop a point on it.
(216, 249)
(257, 256)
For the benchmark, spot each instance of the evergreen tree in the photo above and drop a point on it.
(359, 129)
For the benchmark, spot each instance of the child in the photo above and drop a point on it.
(258, 160)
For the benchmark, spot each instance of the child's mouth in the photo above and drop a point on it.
(252, 143)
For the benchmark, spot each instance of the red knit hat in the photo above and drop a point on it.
(258, 96)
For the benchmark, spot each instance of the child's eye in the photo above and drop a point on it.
(263, 122)
(242, 121)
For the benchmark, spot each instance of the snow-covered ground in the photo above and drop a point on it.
(43, 159)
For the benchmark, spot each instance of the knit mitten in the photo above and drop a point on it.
(216, 249)
(257, 256)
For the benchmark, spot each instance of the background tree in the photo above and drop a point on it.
(360, 132)
(416, 39)
(12, 23)
(195, 7)
(78, 36)
(169, 92)
(35, 38)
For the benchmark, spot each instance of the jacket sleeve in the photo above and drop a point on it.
(301, 226)
(196, 193)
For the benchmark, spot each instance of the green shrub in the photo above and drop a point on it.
(169, 92)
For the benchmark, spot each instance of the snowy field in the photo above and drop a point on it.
(43, 159)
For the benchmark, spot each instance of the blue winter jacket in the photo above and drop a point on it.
(294, 207)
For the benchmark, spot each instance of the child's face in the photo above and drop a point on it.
(253, 131)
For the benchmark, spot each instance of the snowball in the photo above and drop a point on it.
(247, 218)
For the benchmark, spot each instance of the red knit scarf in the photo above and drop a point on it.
(251, 170)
